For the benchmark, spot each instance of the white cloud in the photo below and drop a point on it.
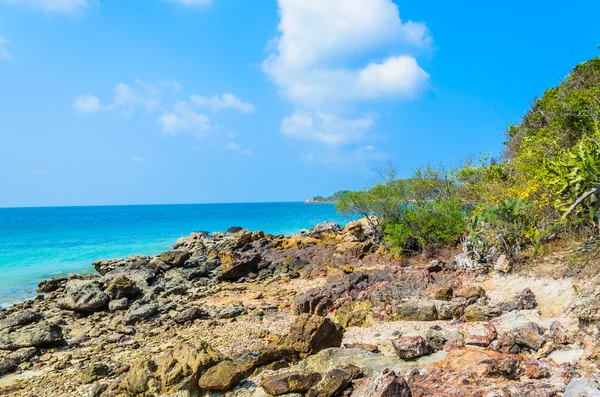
(52, 6)
(4, 54)
(183, 119)
(225, 101)
(192, 3)
(87, 104)
(318, 36)
(327, 129)
(236, 147)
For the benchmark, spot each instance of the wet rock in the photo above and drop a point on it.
(83, 296)
(190, 314)
(122, 287)
(529, 335)
(409, 347)
(335, 381)
(141, 313)
(291, 382)
(507, 367)
(175, 258)
(51, 284)
(386, 384)
(418, 310)
(525, 300)
(19, 319)
(478, 334)
(479, 312)
(582, 388)
(221, 377)
(94, 372)
(41, 335)
(7, 366)
(311, 334)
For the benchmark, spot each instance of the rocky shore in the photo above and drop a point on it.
(323, 313)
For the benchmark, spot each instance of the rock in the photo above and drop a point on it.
(234, 229)
(479, 312)
(190, 314)
(502, 264)
(237, 264)
(529, 335)
(418, 310)
(175, 258)
(470, 292)
(51, 284)
(409, 347)
(357, 314)
(363, 346)
(83, 296)
(119, 304)
(141, 313)
(582, 388)
(435, 266)
(444, 294)
(386, 384)
(7, 366)
(122, 287)
(221, 377)
(535, 369)
(140, 378)
(335, 381)
(230, 312)
(525, 300)
(435, 339)
(453, 309)
(94, 372)
(311, 334)
(42, 335)
(507, 367)
(22, 355)
(560, 334)
(478, 334)
(505, 344)
(291, 382)
(97, 390)
(19, 319)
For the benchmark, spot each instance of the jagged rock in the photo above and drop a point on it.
(237, 264)
(436, 339)
(418, 310)
(582, 388)
(105, 266)
(311, 334)
(7, 366)
(51, 284)
(119, 304)
(122, 287)
(83, 296)
(140, 378)
(409, 347)
(94, 372)
(479, 312)
(22, 355)
(335, 381)
(507, 367)
(20, 319)
(291, 382)
(41, 335)
(190, 314)
(447, 310)
(141, 313)
(529, 335)
(505, 344)
(234, 229)
(525, 300)
(175, 258)
(535, 369)
(444, 294)
(357, 314)
(560, 334)
(478, 334)
(386, 384)
(221, 377)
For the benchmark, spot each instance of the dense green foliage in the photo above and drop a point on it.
(551, 160)
(331, 199)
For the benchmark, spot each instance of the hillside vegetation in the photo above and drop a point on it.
(542, 187)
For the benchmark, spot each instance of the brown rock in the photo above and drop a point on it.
(478, 334)
(479, 312)
(535, 369)
(363, 346)
(335, 381)
(409, 347)
(470, 292)
(291, 382)
(507, 367)
(311, 334)
(444, 294)
(221, 377)
(386, 384)
(418, 310)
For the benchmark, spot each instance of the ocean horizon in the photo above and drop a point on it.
(42, 242)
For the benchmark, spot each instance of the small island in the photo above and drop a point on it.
(327, 200)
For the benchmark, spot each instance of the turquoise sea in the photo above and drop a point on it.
(38, 243)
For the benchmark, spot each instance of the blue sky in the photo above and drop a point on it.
(191, 101)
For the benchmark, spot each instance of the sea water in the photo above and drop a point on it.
(39, 243)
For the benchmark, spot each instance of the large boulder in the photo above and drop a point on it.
(122, 287)
(418, 310)
(84, 296)
(238, 264)
(221, 377)
(141, 313)
(335, 381)
(175, 258)
(19, 319)
(40, 335)
(529, 335)
(311, 334)
(409, 347)
(386, 384)
(291, 382)
(51, 284)
(479, 312)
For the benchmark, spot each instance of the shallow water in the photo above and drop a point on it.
(38, 243)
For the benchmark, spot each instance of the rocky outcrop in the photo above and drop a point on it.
(83, 296)
(39, 335)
